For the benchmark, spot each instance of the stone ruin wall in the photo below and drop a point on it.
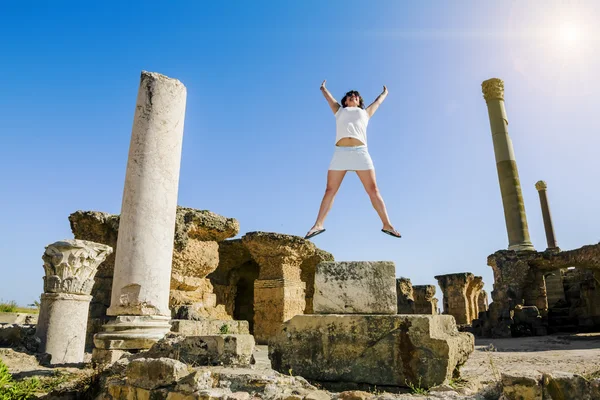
(418, 299)
(195, 255)
(521, 297)
(462, 296)
(264, 277)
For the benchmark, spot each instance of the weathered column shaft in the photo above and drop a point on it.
(144, 253)
(548, 227)
(63, 323)
(506, 164)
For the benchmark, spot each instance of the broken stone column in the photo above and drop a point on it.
(473, 290)
(142, 275)
(70, 266)
(456, 301)
(482, 301)
(357, 337)
(425, 302)
(406, 300)
(279, 292)
(548, 227)
(506, 164)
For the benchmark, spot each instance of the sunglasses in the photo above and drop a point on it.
(352, 94)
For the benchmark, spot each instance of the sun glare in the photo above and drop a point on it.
(569, 34)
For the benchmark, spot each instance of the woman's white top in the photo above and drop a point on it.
(351, 122)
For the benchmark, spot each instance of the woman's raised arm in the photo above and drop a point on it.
(375, 105)
(335, 106)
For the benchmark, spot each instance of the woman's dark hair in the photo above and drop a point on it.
(361, 103)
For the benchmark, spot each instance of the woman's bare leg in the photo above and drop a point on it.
(334, 180)
(367, 177)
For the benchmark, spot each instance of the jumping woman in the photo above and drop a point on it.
(351, 154)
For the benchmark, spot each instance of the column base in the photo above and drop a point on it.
(522, 247)
(132, 332)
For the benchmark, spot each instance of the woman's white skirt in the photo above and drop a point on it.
(351, 158)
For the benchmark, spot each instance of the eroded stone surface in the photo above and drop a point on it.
(456, 300)
(374, 349)
(406, 301)
(233, 350)
(425, 302)
(195, 255)
(359, 287)
(278, 255)
(519, 280)
(155, 373)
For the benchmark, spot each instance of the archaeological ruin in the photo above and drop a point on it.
(173, 302)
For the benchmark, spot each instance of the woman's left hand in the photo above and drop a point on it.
(385, 89)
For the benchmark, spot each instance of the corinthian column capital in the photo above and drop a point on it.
(493, 89)
(71, 265)
(541, 185)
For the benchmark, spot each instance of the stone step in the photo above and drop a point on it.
(384, 350)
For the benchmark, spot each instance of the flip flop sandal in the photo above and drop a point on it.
(391, 233)
(315, 233)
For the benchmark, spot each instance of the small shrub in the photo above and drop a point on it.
(224, 329)
(11, 306)
(416, 389)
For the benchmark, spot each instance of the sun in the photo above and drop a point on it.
(569, 34)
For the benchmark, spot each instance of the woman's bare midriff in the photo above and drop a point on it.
(349, 142)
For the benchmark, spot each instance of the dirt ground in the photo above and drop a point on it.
(576, 353)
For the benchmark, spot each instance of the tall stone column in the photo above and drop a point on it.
(506, 164)
(140, 290)
(548, 227)
(70, 266)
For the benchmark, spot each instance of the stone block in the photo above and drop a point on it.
(372, 349)
(230, 350)
(207, 326)
(155, 372)
(565, 385)
(355, 287)
(522, 385)
(104, 357)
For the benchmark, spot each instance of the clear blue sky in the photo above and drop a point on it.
(259, 135)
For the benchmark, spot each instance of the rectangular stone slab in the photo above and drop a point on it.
(355, 287)
(391, 350)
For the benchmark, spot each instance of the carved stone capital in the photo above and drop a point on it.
(541, 185)
(493, 89)
(71, 265)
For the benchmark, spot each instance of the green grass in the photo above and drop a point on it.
(12, 307)
(26, 388)
(416, 388)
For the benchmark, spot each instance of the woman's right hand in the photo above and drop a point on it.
(323, 85)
